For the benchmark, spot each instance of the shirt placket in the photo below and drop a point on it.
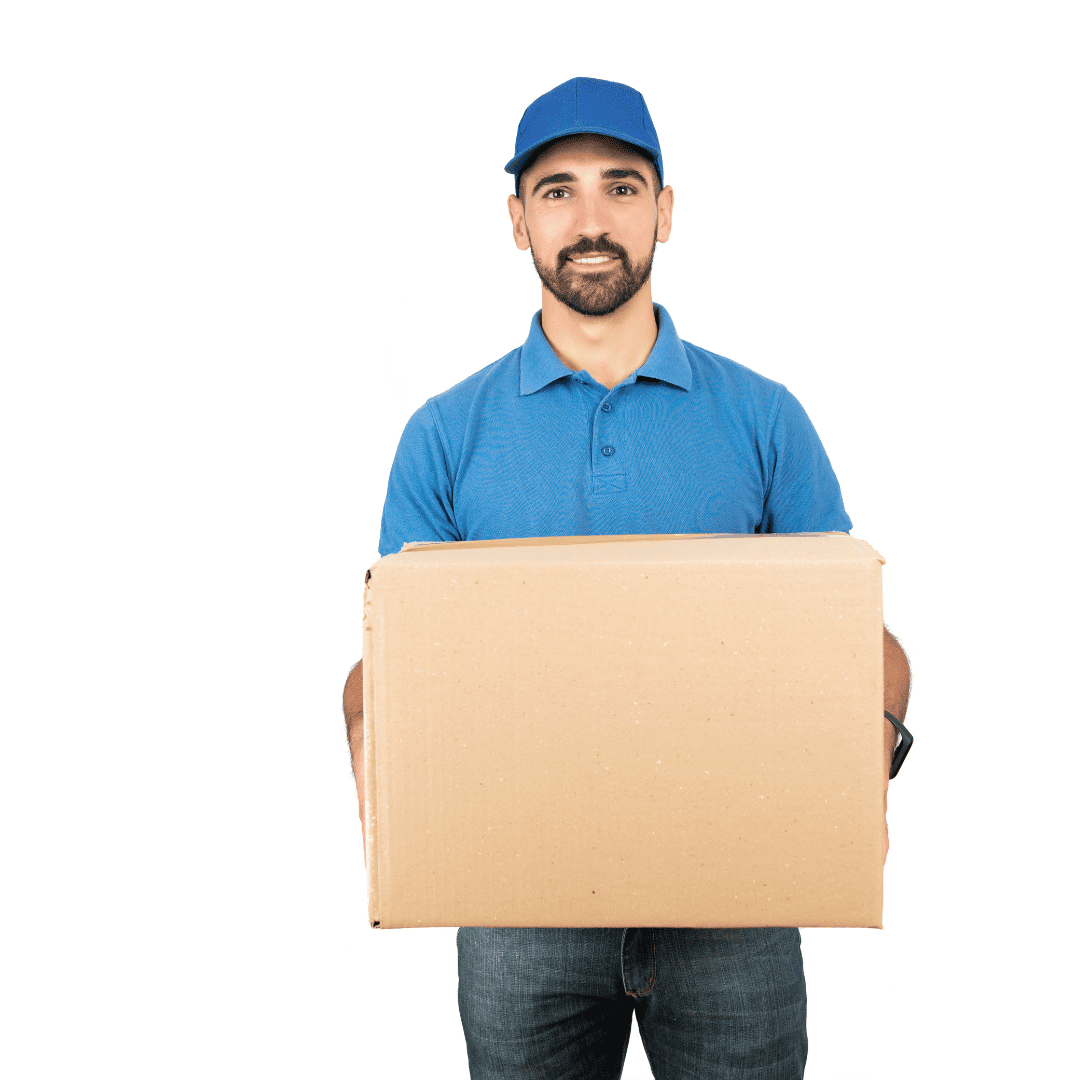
(608, 468)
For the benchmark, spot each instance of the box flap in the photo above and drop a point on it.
(554, 541)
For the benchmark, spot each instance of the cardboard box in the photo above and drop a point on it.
(625, 731)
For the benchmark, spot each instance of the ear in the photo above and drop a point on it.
(664, 203)
(517, 219)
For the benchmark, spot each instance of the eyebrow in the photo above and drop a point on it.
(554, 178)
(607, 174)
(621, 174)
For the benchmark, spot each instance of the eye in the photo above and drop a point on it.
(622, 189)
(554, 193)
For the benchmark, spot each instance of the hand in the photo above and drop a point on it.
(885, 844)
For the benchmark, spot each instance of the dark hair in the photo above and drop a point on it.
(628, 148)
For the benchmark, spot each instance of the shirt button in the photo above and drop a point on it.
(606, 406)
(607, 451)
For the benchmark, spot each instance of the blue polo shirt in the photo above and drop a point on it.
(690, 442)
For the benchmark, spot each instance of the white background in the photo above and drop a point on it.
(242, 242)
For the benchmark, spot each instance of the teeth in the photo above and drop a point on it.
(594, 259)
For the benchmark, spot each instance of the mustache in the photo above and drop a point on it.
(600, 246)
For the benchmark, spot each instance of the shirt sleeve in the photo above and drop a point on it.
(419, 496)
(803, 494)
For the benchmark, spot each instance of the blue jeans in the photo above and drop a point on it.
(557, 1003)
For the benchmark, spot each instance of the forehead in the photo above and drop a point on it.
(578, 153)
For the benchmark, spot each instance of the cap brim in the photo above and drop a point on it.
(515, 165)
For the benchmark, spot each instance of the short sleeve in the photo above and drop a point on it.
(803, 494)
(419, 496)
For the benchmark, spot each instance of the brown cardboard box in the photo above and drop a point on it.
(625, 731)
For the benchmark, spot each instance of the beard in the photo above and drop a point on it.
(594, 292)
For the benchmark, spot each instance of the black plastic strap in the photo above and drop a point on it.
(901, 752)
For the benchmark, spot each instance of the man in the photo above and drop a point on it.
(605, 422)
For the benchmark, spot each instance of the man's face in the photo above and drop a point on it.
(588, 210)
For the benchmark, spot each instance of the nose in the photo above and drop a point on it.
(593, 216)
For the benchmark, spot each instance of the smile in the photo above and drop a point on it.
(592, 259)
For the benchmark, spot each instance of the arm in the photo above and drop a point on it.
(897, 687)
(352, 700)
(419, 506)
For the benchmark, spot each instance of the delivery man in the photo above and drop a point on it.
(605, 422)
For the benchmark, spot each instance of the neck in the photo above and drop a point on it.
(608, 347)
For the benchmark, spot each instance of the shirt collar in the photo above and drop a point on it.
(667, 361)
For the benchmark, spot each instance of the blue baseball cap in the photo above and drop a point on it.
(586, 107)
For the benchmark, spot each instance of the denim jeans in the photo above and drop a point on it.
(557, 1003)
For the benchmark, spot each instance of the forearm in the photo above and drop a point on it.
(353, 705)
(897, 688)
